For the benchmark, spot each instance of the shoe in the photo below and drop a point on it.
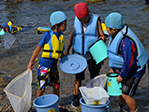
(75, 102)
(62, 109)
(122, 108)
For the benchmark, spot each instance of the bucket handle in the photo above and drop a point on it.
(108, 108)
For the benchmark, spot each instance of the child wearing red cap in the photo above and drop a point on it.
(87, 29)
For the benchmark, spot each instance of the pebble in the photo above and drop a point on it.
(1, 97)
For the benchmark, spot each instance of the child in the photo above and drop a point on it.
(127, 54)
(53, 46)
(9, 27)
(5, 28)
(87, 29)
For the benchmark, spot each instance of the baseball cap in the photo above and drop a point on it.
(57, 17)
(81, 10)
(114, 20)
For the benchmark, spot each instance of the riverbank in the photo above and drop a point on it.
(15, 60)
(141, 97)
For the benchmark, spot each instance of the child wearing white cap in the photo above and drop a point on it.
(128, 56)
(52, 43)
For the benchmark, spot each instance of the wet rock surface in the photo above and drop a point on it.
(66, 90)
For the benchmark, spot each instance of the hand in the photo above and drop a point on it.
(103, 38)
(66, 53)
(30, 66)
(62, 56)
(111, 71)
(119, 79)
(7, 29)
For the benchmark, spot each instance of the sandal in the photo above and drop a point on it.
(62, 109)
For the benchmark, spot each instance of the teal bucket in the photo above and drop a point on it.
(114, 88)
(46, 103)
(98, 50)
(94, 108)
(2, 33)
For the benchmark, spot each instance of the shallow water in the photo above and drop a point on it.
(31, 14)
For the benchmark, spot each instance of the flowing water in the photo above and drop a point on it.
(31, 14)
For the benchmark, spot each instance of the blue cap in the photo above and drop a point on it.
(57, 17)
(114, 20)
(5, 25)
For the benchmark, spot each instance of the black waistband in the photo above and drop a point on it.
(52, 51)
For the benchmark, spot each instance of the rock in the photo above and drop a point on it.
(94, 1)
(147, 1)
(1, 97)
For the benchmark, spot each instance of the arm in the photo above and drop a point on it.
(2, 27)
(34, 55)
(70, 42)
(102, 36)
(129, 54)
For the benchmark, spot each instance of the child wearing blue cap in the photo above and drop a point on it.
(52, 43)
(128, 56)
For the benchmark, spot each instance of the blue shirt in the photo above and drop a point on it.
(47, 62)
(128, 51)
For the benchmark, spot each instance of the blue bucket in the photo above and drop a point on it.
(114, 88)
(98, 50)
(46, 103)
(94, 108)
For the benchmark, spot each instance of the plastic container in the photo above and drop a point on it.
(94, 108)
(98, 81)
(98, 50)
(94, 96)
(46, 103)
(73, 64)
(114, 88)
(2, 33)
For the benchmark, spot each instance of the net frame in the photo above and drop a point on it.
(10, 95)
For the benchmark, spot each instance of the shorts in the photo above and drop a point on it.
(47, 76)
(130, 85)
(94, 69)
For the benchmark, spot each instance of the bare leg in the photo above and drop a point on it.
(121, 100)
(56, 91)
(39, 93)
(75, 101)
(131, 103)
(77, 84)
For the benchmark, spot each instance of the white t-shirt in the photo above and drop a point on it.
(88, 55)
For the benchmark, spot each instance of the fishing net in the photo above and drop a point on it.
(9, 39)
(19, 92)
(98, 81)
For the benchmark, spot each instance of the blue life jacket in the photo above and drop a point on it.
(115, 60)
(81, 42)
